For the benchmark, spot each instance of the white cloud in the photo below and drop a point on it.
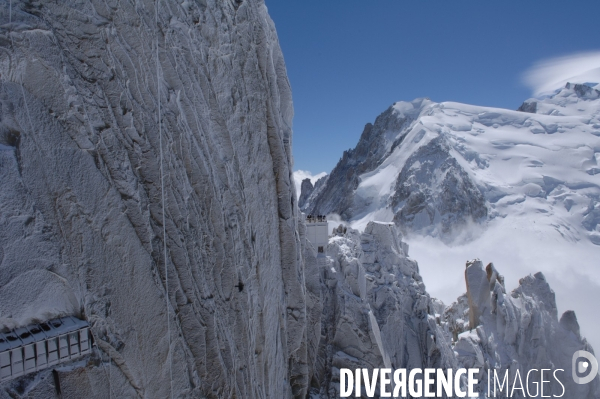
(548, 75)
(570, 268)
(300, 175)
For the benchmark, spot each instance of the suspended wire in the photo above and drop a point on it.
(25, 100)
(109, 375)
(10, 23)
(162, 191)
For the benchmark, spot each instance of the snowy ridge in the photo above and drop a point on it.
(521, 162)
(518, 187)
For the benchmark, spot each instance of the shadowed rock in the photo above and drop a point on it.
(305, 190)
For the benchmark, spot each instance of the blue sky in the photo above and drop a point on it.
(349, 60)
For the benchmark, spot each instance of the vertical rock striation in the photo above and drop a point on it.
(86, 97)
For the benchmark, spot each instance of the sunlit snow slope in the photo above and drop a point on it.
(519, 188)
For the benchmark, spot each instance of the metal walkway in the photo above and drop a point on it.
(39, 346)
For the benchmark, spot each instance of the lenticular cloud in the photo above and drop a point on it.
(548, 75)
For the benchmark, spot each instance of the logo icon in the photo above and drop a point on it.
(580, 367)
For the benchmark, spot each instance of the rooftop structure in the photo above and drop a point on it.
(316, 232)
(38, 346)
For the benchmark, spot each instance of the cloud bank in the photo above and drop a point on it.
(548, 75)
(570, 267)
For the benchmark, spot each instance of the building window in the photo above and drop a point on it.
(320, 250)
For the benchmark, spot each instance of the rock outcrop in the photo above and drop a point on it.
(378, 314)
(434, 195)
(528, 106)
(478, 292)
(376, 311)
(305, 190)
(513, 333)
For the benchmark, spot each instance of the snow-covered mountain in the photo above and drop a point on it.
(146, 189)
(434, 168)
(520, 188)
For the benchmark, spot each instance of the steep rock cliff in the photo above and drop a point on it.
(111, 112)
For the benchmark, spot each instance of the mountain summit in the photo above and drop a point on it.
(434, 168)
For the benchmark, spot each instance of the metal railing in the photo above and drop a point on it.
(316, 218)
(39, 346)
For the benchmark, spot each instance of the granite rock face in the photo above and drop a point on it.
(377, 314)
(376, 311)
(512, 333)
(305, 190)
(91, 94)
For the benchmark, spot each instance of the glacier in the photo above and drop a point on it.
(519, 188)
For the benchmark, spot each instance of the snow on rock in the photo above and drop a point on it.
(434, 194)
(81, 216)
(378, 314)
(520, 331)
(47, 296)
(435, 169)
(376, 311)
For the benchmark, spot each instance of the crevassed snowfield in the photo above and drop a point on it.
(522, 162)
(540, 174)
